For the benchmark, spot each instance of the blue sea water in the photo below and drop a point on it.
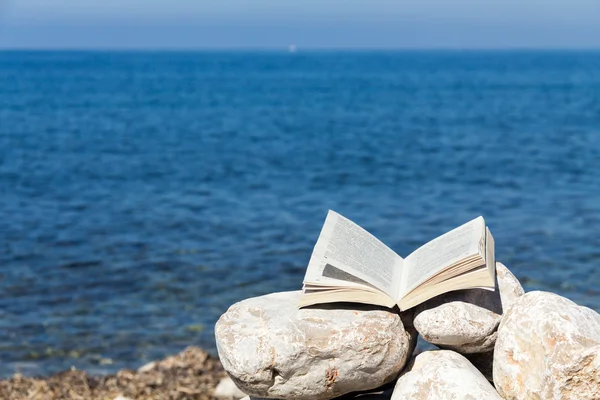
(143, 193)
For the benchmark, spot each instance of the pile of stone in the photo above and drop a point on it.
(492, 345)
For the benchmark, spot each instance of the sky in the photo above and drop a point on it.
(190, 24)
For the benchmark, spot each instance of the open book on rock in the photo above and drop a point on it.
(348, 264)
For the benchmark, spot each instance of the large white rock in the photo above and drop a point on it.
(272, 349)
(443, 374)
(467, 320)
(548, 347)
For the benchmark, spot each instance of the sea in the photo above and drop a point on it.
(143, 193)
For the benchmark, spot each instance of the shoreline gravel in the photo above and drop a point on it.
(192, 374)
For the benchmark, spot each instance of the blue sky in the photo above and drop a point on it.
(306, 23)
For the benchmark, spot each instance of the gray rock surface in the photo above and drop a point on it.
(272, 349)
(442, 374)
(548, 347)
(467, 320)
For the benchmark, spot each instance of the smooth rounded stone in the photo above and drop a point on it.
(467, 320)
(442, 374)
(272, 349)
(510, 287)
(548, 347)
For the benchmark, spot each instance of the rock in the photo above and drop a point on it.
(510, 287)
(458, 324)
(467, 320)
(272, 349)
(226, 389)
(548, 347)
(442, 374)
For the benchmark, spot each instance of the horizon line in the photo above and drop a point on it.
(297, 49)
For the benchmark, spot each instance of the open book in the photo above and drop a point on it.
(349, 264)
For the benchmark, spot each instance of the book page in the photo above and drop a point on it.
(490, 253)
(348, 247)
(433, 257)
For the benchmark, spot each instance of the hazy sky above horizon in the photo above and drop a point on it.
(307, 23)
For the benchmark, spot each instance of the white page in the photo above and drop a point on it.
(326, 275)
(451, 247)
(350, 248)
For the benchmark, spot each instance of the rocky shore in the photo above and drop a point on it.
(192, 374)
(502, 344)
